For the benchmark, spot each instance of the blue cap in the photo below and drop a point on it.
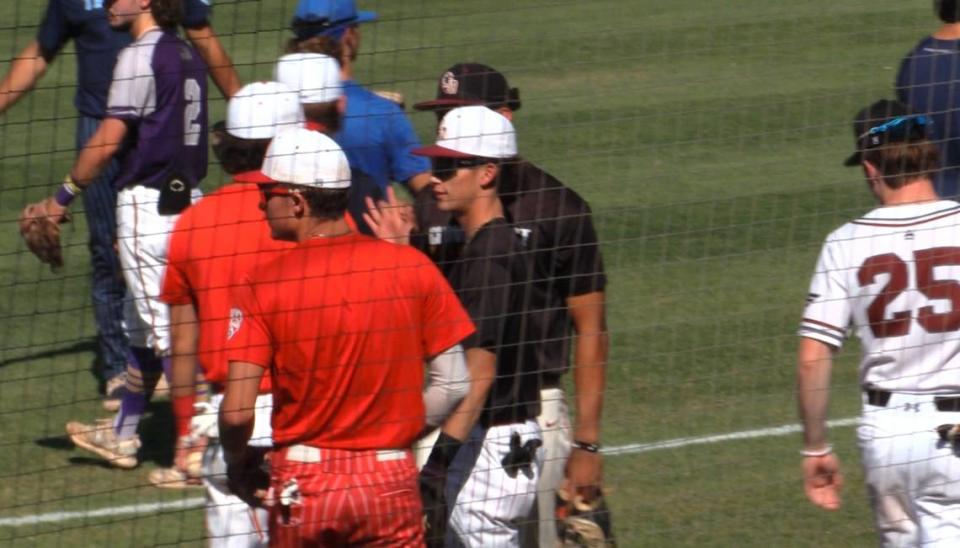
(327, 17)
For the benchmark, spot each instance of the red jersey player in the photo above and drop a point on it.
(343, 322)
(214, 244)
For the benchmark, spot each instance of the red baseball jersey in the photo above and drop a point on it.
(344, 324)
(214, 244)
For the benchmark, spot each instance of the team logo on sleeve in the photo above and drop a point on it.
(812, 297)
(236, 320)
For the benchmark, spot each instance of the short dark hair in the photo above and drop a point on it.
(237, 155)
(325, 114)
(905, 161)
(947, 10)
(326, 203)
(167, 13)
(317, 44)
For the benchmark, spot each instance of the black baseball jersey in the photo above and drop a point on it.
(491, 279)
(556, 226)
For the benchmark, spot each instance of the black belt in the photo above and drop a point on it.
(881, 398)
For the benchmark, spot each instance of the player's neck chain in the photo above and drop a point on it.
(330, 235)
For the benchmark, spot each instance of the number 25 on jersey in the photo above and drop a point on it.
(897, 323)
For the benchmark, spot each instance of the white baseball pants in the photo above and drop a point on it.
(230, 522)
(142, 236)
(913, 479)
(491, 506)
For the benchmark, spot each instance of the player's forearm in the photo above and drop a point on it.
(237, 408)
(98, 151)
(814, 364)
(588, 313)
(218, 60)
(25, 70)
(419, 182)
(448, 383)
(184, 340)
(482, 365)
(589, 380)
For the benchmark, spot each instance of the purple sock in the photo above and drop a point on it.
(128, 419)
(143, 371)
(167, 363)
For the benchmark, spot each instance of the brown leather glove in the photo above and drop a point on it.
(41, 232)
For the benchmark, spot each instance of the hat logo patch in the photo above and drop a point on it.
(449, 83)
(236, 320)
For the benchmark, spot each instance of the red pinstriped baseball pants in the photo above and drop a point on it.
(329, 497)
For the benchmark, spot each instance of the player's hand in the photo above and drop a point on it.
(390, 219)
(584, 474)
(247, 477)
(822, 480)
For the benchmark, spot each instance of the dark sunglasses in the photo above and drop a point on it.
(445, 168)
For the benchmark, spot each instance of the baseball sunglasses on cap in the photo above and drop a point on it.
(445, 168)
(899, 127)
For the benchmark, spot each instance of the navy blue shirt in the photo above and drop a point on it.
(159, 90)
(929, 83)
(97, 45)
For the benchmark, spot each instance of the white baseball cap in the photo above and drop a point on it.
(262, 109)
(307, 158)
(316, 77)
(473, 131)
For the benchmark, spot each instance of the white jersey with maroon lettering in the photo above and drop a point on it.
(893, 276)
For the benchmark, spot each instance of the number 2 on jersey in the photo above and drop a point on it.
(191, 111)
(925, 261)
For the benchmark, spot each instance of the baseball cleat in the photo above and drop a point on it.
(114, 392)
(100, 439)
(172, 478)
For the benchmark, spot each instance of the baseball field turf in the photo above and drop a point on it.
(708, 137)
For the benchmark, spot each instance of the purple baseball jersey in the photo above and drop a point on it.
(159, 89)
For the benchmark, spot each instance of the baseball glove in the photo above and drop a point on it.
(582, 524)
(42, 234)
(949, 433)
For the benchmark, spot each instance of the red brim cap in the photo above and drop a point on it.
(436, 151)
(452, 102)
(252, 177)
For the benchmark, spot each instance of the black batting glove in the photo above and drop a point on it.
(433, 482)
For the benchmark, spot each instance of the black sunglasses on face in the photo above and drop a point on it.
(445, 168)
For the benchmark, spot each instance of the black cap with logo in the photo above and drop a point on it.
(472, 84)
(885, 122)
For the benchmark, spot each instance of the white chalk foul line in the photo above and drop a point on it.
(133, 509)
(630, 449)
(784, 430)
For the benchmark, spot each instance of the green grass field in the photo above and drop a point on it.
(708, 137)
